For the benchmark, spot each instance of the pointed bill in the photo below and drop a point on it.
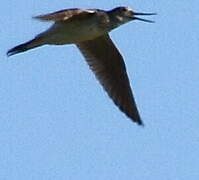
(135, 14)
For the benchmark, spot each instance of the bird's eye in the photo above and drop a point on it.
(124, 9)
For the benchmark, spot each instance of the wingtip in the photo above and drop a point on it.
(44, 18)
(135, 117)
(140, 123)
(34, 17)
(10, 53)
(39, 18)
(14, 50)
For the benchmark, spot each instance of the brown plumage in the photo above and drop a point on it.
(88, 29)
(107, 63)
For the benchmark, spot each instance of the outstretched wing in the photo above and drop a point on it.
(107, 63)
(65, 14)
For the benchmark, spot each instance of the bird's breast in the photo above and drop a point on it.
(74, 32)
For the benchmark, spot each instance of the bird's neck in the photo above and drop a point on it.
(115, 20)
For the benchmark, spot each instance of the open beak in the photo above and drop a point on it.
(143, 14)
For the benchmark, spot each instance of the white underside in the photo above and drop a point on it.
(67, 33)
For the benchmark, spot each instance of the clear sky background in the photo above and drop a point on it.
(57, 123)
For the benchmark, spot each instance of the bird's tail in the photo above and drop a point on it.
(37, 41)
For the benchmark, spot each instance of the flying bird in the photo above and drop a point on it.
(88, 29)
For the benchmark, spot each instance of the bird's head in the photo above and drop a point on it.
(124, 14)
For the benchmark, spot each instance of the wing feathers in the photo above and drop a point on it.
(64, 15)
(109, 68)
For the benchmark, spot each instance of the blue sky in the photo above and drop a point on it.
(57, 123)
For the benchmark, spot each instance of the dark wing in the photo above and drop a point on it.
(107, 63)
(65, 14)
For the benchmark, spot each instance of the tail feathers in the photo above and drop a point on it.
(25, 46)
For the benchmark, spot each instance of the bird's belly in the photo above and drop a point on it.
(67, 34)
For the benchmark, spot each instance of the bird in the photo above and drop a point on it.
(89, 30)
